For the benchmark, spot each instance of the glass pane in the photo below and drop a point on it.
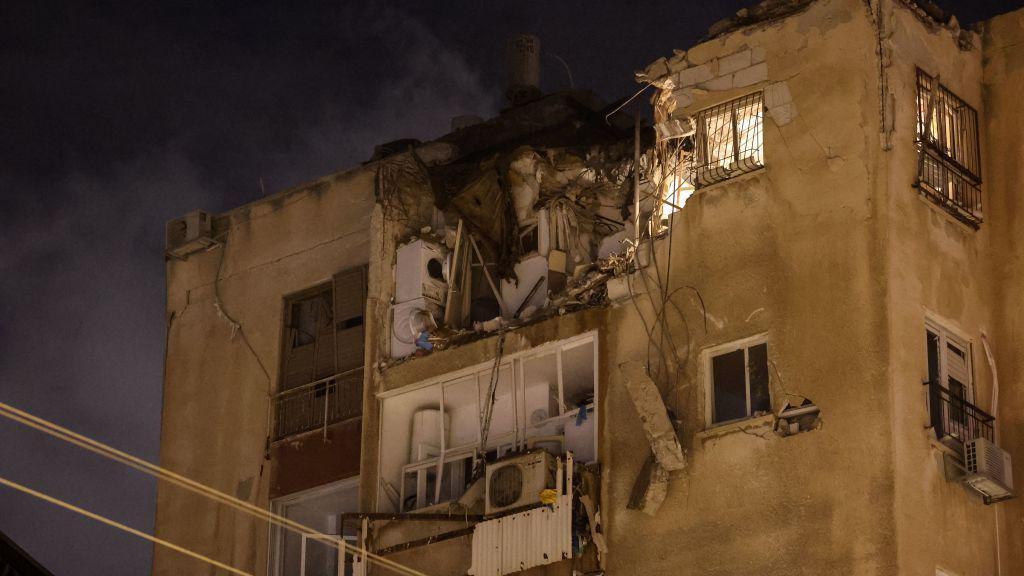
(933, 356)
(578, 375)
(760, 400)
(730, 386)
(321, 558)
(540, 379)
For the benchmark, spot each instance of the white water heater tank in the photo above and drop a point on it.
(427, 434)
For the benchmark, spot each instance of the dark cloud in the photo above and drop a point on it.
(116, 117)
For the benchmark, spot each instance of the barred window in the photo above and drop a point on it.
(730, 140)
(949, 162)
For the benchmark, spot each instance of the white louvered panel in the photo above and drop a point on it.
(522, 541)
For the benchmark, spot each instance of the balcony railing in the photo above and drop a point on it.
(947, 186)
(318, 404)
(954, 417)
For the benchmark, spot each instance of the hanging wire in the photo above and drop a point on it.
(114, 524)
(66, 435)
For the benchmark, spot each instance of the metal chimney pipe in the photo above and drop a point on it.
(522, 65)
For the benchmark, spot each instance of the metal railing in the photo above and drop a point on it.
(948, 125)
(318, 404)
(954, 417)
(946, 186)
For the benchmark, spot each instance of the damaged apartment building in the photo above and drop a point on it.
(773, 330)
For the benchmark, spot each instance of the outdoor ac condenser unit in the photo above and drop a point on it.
(190, 233)
(517, 481)
(988, 470)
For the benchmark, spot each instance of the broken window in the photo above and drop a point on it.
(677, 184)
(322, 355)
(432, 434)
(738, 383)
(730, 140)
(949, 161)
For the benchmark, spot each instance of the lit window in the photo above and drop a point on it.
(738, 380)
(730, 140)
(949, 162)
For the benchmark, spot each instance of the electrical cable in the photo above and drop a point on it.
(61, 433)
(103, 519)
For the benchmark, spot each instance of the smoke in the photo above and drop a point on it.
(81, 269)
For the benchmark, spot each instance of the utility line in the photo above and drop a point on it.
(119, 526)
(61, 433)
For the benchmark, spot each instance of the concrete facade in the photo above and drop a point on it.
(828, 254)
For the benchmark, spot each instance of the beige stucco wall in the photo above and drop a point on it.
(1004, 127)
(215, 406)
(940, 267)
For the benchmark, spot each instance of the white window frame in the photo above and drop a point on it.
(708, 354)
(279, 506)
(519, 436)
(948, 334)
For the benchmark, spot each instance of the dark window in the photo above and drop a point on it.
(322, 355)
(739, 380)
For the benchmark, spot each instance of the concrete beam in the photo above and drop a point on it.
(654, 416)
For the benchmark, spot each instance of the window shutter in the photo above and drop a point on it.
(957, 366)
(349, 307)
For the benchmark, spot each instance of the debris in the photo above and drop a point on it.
(796, 419)
(650, 488)
(653, 415)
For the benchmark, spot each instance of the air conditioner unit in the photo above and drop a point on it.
(420, 272)
(517, 481)
(988, 470)
(190, 233)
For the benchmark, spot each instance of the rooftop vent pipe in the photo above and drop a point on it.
(522, 63)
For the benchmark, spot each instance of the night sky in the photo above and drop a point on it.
(117, 117)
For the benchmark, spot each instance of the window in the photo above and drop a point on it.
(730, 140)
(322, 355)
(738, 380)
(949, 362)
(949, 161)
(432, 434)
(294, 554)
(949, 367)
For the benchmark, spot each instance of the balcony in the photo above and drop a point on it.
(318, 404)
(955, 419)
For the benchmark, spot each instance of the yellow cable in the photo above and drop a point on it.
(102, 449)
(119, 526)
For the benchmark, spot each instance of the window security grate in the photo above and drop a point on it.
(949, 163)
(730, 140)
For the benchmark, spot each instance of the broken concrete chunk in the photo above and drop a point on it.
(757, 54)
(654, 70)
(683, 97)
(653, 416)
(650, 488)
